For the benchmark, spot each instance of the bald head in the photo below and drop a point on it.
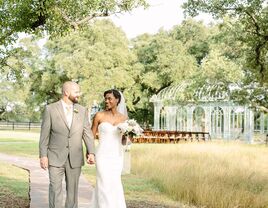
(71, 91)
(67, 86)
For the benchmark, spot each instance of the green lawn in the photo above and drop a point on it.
(21, 147)
(136, 188)
(14, 186)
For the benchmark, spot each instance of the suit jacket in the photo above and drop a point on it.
(57, 141)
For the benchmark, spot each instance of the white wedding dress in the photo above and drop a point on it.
(109, 164)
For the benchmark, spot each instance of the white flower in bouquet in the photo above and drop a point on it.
(123, 127)
(132, 122)
(130, 128)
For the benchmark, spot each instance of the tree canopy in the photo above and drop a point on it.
(52, 17)
(55, 17)
(249, 25)
(98, 55)
(165, 61)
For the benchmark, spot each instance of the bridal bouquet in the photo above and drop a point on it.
(129, 129)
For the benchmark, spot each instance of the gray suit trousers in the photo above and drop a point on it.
(56, 174)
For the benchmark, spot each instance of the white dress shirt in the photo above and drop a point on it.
(68, 110)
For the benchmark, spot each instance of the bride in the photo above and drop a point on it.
(109, 153)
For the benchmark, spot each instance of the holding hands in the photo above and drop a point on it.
(91, 159)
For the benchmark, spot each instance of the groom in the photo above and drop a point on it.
(65, 124)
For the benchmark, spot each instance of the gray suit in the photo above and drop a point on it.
(63, 147)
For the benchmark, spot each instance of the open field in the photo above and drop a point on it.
(216, 175)
(212, 174)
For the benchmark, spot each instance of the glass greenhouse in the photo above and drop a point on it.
(210, 110)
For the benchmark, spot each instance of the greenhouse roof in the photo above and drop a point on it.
(181, 92)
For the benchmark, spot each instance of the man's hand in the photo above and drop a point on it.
(44, 162)
(91, 159)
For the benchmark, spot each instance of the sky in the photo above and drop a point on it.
(161, 14)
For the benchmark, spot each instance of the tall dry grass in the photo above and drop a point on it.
(215, 175)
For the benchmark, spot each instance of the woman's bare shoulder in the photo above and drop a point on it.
(99, 115)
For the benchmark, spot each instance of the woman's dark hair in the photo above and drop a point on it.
(115, 93)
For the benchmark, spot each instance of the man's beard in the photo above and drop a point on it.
(73, 99)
